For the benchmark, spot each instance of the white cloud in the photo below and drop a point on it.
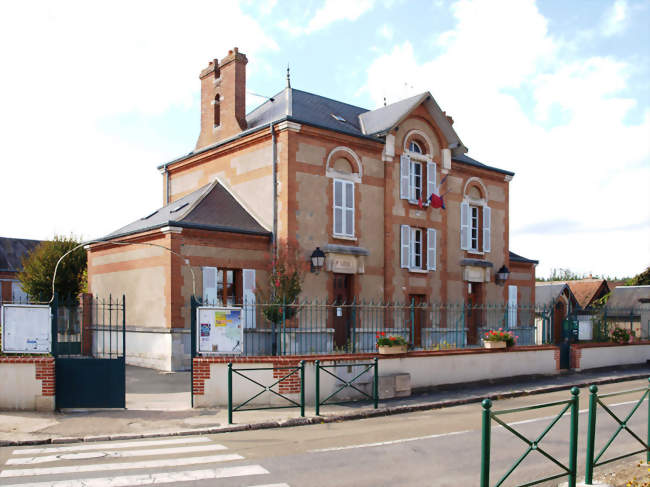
(386, 31)
(332, 11)
(591, 166)
(71, 66)
(615, 18)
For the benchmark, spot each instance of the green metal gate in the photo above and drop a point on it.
(89, 343)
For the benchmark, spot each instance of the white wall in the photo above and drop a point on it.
(425, 372)
(20, 390)
(594, 357)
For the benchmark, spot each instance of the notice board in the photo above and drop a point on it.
(26, 328)
(220, 330)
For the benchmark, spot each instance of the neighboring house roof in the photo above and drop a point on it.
(628, 296)
(12, 251)
(587, 291)
(319, 111)
(518, 258)
(211, 207)
(548, 292)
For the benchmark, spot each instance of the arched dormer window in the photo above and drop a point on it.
(417, 169)
(415, 147)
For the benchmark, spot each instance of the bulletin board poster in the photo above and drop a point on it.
(220, 330)
(26, 328)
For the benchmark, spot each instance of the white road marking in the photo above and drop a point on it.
(156, 478)
(114, 454)
(404, 440)
(393, 442)
(169, 462)
(111, 445)
(267, 485)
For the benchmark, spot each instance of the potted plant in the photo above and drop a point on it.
(620, 335)
(499, 339)
(390, 344)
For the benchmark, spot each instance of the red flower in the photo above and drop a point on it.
(382, 333)
(392, 338)
(277, 283)
(377, 335)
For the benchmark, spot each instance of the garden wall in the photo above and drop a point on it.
(27, 383)
(595, 355)
(426, 369)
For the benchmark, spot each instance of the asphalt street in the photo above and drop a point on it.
(430, 448)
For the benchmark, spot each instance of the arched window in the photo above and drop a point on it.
(415, 147)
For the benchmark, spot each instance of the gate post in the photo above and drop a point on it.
(573, 445)
(193, 306)
(375, 384)
(591, 434)
(229, 392)
(485, 443)
(54, 309)
(302, 388)
(124, 327)
(317, 368)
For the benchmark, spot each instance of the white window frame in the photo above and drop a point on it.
(414, 254)
(474, 227)
(409, 238)
(413, 187)
(347, 211)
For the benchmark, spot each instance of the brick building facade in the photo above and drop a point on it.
(315, 172)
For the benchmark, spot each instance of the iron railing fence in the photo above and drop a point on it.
(313, 327)
(89, 326)
(606, 320)
(567, 467)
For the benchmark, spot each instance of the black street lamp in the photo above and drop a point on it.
(317, 260)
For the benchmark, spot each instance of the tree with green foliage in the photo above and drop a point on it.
(38, 269)
(641, 279)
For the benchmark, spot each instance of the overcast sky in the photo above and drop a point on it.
(95, 95)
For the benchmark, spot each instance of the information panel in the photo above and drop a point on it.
(26, 328)
(220, 330)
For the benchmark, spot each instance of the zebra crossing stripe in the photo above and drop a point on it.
(110, 445)
(156, 478)
(168, 462)
(114, 454)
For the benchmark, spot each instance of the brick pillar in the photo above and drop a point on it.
(86, 300)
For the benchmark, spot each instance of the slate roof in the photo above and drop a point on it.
(548, 292)
(12, 251)
(307, 108)
(628, 296)
(518, 258)
(211, 207)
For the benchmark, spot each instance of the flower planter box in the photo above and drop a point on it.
(494, 344)
(395, 349)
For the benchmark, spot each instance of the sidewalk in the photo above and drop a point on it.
(24, 428)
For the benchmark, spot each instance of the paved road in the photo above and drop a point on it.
(432, 448)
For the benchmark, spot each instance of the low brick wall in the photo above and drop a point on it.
(595, 355)
(426, 369)
(27, 383)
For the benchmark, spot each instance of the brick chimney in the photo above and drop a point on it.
(223, 99)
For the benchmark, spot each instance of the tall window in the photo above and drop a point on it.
(221, 287)
(343, 208)
(416, 248)
(415, 174)
(474, 228)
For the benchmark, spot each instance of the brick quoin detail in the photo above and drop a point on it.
(290, 384)
(44, 371)
(576, 355)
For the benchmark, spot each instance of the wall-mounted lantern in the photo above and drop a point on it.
(502, 275)
(317, 260)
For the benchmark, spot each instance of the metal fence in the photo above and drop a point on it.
(322, 327)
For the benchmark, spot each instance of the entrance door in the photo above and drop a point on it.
(417, 300)
(89, 348)
(342, 296)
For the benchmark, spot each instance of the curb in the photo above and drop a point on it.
(288, 423)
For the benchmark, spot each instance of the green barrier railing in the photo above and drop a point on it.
(291, 371)
(375, 383)
(533, 445)
(594, 401)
